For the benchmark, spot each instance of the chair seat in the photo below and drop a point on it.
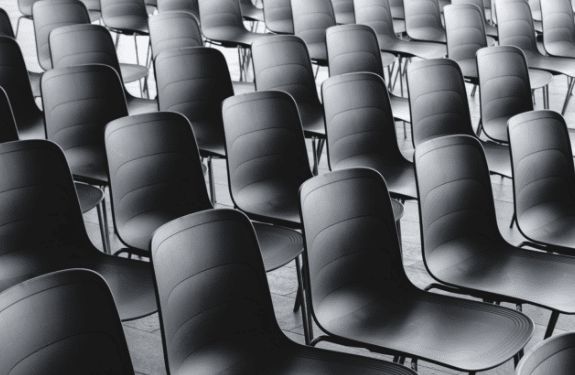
(400, 108)
(35, 78)
(127, 25)
(559, 65)
(232, 36)
(560, 49)
(387, 58)
(88, 164)
(497, 129)
(425, 50)
(280, 26)
(429, 34)
(345, 18)
(549, 222)
(210, 138)
(498, 158)
(312, 120)
(318, 53)
(537, 278)
(140, 105)
(133, 72)
(89, 196)
(278, 245)
(469, 69)
(31, 126)
(461, 334)
(398, 26)
(252, 13)
(243, 87)
(539, 78)
(491, 30)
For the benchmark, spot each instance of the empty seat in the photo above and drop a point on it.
(311, 18)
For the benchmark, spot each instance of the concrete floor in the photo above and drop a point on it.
(143, 335)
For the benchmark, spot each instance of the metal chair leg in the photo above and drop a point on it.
(211, 180)
(315, 162)
(103, 221)
(552, 323)
(306, 318)
(569, 91)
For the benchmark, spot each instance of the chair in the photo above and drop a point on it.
(438, 103)
(250, 12)
(343, 10)
(190, 6)
(67, 315)
(490, 30)
(92, 44)
(311, 18)
(240, 332)
(43, 231)
(282, 62)
(558, 28)
(361, 130)
(354, 48)
(179, 30)
(423, 21)
(359, 295)
(463, 248)
(197, 94)
(515, 27)
(6, 30)
(222, 24)
(553, 356)
(278, 16)
(504, 89)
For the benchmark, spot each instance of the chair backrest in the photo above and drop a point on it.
(515, 26)
(78, 102)
(455, 198)
(5, 25)
(310, 20)
(196, 93)
(14, 80)
(359, 120)
(214, 303)
(558, 25)
(282, 62)
(49, 15)
(155, 169)
(8, 130)
(129, 15)
(217, 14)
(376, 14)
(353, 48)
(350, 237)
(478, 3)
(174, 30)
(25, 7)
(423, 15)
(83, 44)
(64, 322)
(397, 9)
(542, 161)
(344, 13)
(551, 356)
(264, 142)
(190, 6)
(465, 31)
(504, 88)
(437, 99)
(278, 16)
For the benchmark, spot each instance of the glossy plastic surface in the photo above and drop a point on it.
(216, 311)
(196, 93)
(63, 322)
(552, 356)
(190, 6)
(490, 29)
(344, 13)
(310, 21)
(282, 62)
(174, 29)
(250, 12)
(558, 28)
(125, 16)
(267, 157)
(504, 88)
(423, 20)
(359, 290)
(361, 130)
(278, 18)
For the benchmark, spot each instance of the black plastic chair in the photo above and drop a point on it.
(278, 16)
(515, 27)
(463, 248)
(354, 48)
(311, 18)
(190, 6)
(504, 89)
(361, 132)
(359, 295)
(216, 311)
(59, 320)
(423, 21)
(553, 356)
(43, 230)
(282, 62)
(438, 103)
(197, 94)
(558, 28)
(343, 10)
(92, 44)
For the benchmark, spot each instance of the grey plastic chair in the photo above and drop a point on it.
(250, 12)
(190, 6)
(67, 315)
(311, 18)
(553, 356)
(423, 21)
(558, 28)
(490, 30)
(278, 16)
(359, 295)
(343, 10)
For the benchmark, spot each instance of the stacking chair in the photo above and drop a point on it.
(25, 8)
(78, 102)
(423, 21)
(515, 26)
(250, 12)
(438, 103)
(6, 30)
(197, 94)
(222, 24)
(311, 18)
(504, 89)
(463, 248)
(43, 231)
(59, 320)
(359, 295)
(553, 356)
(354, 48)
(92, 44)
(278, 16)
(209, 261)
(190, 6)
(490, 30)
(282, 62)
(558, 28)
(343, 10)
(361, 130)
